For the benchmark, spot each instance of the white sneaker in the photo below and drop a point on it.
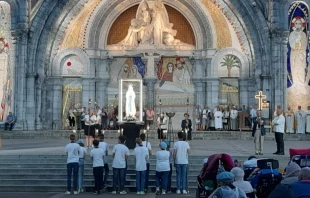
(184, 192)
(75, 192)
(178, 192)
(163, 193)
(113, 192)
(123, 192)
(67, 193)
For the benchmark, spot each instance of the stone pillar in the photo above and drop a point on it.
(57, 102)
(30, 102)
(213, 88)
(44, 107)
(244, 92)
(38, 102)
(150, 82)
(20, 80)
(101, 92)
(200, 94)
(88, 92)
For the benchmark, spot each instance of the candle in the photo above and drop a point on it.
(122, 130)
(148, 127)
(103, 132)
(118, 131)
(144, 131)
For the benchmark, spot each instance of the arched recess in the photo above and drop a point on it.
(14, 14)
(100, 23)
(220, 55)
(58, 63)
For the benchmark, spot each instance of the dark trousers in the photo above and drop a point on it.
(169, 179)
(72, 121)
(6, 126)
(280, 142)
(72, 167)
(146, 185)
(106, 174)
(119, 178)
(98, 175)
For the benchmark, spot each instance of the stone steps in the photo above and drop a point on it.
(39, 173)
(199, 135)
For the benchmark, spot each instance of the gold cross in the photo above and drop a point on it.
(260, 98)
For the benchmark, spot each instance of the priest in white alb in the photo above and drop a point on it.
(290, 118)
(300, 121)
(233, 119)
(218, 119)
(308, 120)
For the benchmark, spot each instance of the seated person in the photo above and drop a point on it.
(255, 176)
(249, 166)
(10, 121)
(302, 187)
(291, 176)
(226, 188)
(245, 186)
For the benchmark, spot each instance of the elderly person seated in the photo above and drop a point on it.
(245, 186)
(226, 188)
(10, 121)
(291, 176)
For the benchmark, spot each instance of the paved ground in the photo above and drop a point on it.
(85, 195)
(198, 147)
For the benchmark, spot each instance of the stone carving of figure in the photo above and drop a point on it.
(131, 40)
(298, 43)
(130, 102)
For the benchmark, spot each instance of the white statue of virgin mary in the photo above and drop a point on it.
(130, 102)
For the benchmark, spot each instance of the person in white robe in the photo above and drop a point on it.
(233, 119)
(130, 102)
(308, 120)
(300, 120)
(218, 119)
(289, 115)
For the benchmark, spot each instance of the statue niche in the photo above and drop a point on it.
(151, 29)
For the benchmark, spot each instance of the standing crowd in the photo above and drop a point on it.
(166, 158)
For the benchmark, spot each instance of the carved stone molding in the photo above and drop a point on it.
(57, 69)
(218, 58)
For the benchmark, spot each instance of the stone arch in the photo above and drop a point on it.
(57, 66)
(105, 16)
(218, 57)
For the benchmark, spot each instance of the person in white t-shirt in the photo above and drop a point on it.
(82, 156)
(149, 146)
(141, 154)
(171, 161)
(162, 122)
(97, 155)
(181, 151)
(119, 165)
(162, 169)
(105, 148)
(72, 151)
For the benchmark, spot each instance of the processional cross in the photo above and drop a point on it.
(260, 98)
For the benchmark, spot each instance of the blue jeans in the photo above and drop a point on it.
(119, 177)
(181, 176)
(106, 174)
(72, 167)
(140, 179)
(98, 176)
(169, 179)
(81, 174)
(147, 173)
(162, 178)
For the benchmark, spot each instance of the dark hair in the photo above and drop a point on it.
(122, 139)
(180, 135)
(101, 136)
(251, 157)
(142, 136)
(186, 114)
(72, 137)
(96, 143)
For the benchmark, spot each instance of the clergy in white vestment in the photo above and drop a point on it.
(234, 120)
(290, 118)
(308, 120)
(218, 119)
(300, 121)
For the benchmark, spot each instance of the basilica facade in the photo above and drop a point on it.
(59, 53)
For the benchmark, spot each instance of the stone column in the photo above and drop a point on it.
(244, 92)
(200, 94)
(38, 101)
(20, 80)
(101, 92)
(150, 82)
(30, 102)
(57, 102)
(44, 106)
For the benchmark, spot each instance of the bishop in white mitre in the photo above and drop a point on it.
(300, 120)
(308, 120)
(289, 117)
(218, 119)
(234, 120)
